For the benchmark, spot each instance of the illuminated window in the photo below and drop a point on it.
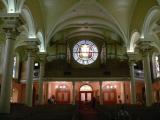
(14, 68)
(157, 66)
(86, 88)
(85, 52)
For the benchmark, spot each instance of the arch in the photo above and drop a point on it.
(13, 6)
(134, 38)
(158, 2)
(86, 88)
(103, 19)
(152, 16)
(99, 24)
(27, 15)
(42, 42)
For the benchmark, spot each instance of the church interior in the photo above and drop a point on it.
(79, 59)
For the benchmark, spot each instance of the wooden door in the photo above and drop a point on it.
(63, 97)
(110, 96)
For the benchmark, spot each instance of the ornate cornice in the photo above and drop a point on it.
(11, 21)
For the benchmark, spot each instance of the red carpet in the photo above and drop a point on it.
(88, 113)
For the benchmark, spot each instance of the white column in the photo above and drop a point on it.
(147, 77)
(74, 93)
(29, 82)
(40, 87)
(7, 72)
(132, 83)
(100, 97)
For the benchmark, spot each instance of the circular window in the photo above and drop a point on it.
(85, 52)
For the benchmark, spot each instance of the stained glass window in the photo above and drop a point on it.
(85, 52)
(157, 66)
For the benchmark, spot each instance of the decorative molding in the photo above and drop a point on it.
(86, 79)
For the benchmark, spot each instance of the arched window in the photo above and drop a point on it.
(86, 88)
(156, 65)
(14, 67)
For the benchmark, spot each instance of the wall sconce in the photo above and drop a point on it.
(60, 86)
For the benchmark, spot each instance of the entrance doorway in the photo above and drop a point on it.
(62, 94)
(109, 95)
(63, 97)
(86, 93)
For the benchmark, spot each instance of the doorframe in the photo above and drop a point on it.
(85, 92)
(63, 91)
(109, 91)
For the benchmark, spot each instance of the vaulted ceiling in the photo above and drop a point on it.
(101, 19)
(123, 16)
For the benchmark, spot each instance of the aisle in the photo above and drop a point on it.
(86, 112)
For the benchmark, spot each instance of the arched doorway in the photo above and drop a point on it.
(86, 93)
(62, 94)
(109, 94)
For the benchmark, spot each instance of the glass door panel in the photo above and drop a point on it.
(83, 97)
(89, 96)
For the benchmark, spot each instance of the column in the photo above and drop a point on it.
(131, 56)
(132, 83)
(74, 93)
(100, 97)
(145, 47)
(147, 77)
(40, 86)
(11, 24)
(29, 79)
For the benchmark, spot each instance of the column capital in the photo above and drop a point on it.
(132, 57)
(11, 21)
(31, 44)
(145, 46)
(42, 56)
